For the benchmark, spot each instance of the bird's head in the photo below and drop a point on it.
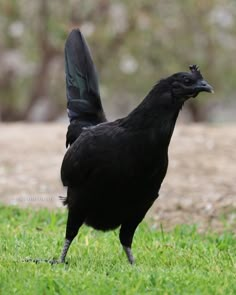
(185, 85)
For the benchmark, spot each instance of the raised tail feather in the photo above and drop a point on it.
(83, 97)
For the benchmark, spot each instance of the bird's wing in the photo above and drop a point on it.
(92, 153)
(76, 162)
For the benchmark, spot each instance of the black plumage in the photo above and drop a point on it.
(82, 90)
(114, 170)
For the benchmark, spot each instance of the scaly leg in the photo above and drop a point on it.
(74, 222)
(127, 231)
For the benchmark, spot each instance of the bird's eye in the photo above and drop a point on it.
(187, 81)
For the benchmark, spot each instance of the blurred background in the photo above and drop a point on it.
(134, 44)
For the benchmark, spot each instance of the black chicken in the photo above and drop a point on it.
(114, 170)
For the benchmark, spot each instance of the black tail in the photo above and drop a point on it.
(83, 97)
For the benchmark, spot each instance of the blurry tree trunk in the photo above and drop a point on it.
(7, 113)
(197, 110)
(40, 85)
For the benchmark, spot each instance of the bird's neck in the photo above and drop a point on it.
(155, 118)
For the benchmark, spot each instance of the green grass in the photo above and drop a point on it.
(178, 262)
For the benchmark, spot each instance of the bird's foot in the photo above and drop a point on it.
(50, 261)
(59, 261)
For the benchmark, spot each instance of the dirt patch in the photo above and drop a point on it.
(199, 188)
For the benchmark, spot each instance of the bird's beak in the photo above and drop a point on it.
(204, 86)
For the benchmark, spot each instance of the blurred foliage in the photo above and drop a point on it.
(134, 44)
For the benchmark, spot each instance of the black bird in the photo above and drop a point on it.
(114, 170)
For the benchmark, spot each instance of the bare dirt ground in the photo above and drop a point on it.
(200, 186)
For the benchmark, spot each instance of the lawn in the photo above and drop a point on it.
(181, 261)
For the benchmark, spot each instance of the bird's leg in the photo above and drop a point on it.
(65, 250)
(129, 254)
(126, 236)
(74, 222)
